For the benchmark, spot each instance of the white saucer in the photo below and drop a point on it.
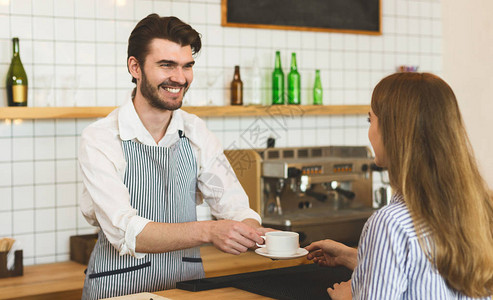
(299, 253)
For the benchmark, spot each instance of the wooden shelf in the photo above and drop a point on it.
(201, 111)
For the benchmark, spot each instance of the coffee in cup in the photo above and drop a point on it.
(282, 243)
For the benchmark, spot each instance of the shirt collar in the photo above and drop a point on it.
(130, 126)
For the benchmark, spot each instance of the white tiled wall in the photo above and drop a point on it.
(74, 52)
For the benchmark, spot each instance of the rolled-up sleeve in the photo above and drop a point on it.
(217, 182)
(105, 200)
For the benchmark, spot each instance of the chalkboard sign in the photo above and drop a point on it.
(351, 16)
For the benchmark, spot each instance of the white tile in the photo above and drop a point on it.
(295, 138)
(105, 31)
(123, 30)
(22, 173)
(86, 76)
(85, 98)
(337, 136)
(86, 53)
(350, 136)
(264, 38)
(65, 54)
(65, 127)
(66, 147)
(47, 259)
(27, 245)
(124, 9)
(279, 40)
(85, 8)
(163, 8)
(214, 35)
(44, 196)
(6, 128)
(5, 149)
(64, 29)
(5, 223)
(231, 58)
(5, 174)
(28, 261)
(85, 30)
(309, 122)
(23, 221)
(22, 128)
(336, 60)
(45, 244)
(66, 194)
(105, 9)
(350, 60)
(66, 218)
(308, 40)
(105, 77)
(44, 127)
(106, 97)
(43, 28)
(22, 149)
(66, 171)
(21, 7)
(44, 172)
(293, 39)
(44, 219)
(63, 241)
(105, 54)
(215, 56)
(198, 13)
(181, 10)
(82, 223)
(247, 37)
(426, 10)
(64, 8)
(213, 13)
(21, 27)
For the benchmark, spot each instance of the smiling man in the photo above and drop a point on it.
(147, 165)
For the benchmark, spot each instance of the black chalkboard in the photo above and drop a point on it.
(353, 16)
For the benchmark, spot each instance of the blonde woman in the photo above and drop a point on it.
(435, 238)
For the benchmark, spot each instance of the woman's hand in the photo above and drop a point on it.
(330, 253)
(341, 291)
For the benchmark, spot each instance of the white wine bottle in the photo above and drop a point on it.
(16, 79)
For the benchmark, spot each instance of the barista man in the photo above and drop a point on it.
(143, 167)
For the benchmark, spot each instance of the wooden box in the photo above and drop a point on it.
(81, 247)
(18, 266)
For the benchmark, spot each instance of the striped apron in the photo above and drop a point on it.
(162, 184)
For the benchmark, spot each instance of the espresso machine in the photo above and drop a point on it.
(319, 192)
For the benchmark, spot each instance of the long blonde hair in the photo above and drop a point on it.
(431, 163)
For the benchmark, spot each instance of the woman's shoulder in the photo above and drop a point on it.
(395, 215)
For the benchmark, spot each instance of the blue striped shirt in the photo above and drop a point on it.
(391, 263)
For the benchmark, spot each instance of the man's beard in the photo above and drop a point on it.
(151, 94)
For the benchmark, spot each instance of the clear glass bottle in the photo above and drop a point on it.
(16, 83)
(237, 88)
(317, 90)
(278, 81)
(294, 83)
(256, 81)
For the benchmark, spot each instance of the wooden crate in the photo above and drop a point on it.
(81, 247)
(18, 265)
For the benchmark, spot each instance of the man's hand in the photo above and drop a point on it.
(330, 253)
(341, 291)
(233, 237)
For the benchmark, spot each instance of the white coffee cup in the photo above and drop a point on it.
(282, 243)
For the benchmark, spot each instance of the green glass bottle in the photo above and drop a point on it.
(317, 90)
(278, 81)
(294, 83)
(16, 79)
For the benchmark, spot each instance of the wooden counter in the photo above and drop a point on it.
(65, 280)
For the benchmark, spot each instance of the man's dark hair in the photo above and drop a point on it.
(169, 28)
